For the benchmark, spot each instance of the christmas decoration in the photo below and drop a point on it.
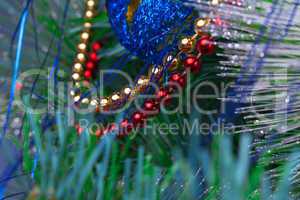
(144, 27)
(212, 88)
(202, 43)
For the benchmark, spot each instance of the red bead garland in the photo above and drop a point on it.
(91, 64)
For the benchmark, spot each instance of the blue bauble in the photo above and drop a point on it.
(148, 28)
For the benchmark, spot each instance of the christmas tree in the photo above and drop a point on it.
(149, 99)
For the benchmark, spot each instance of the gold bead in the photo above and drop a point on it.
(155, 70)
(85, 35)
(82, 46)
(89, 14)
(77, 85)
(127, 91)
(134, 92)
(200, 24)
(186, 44)
(103, 102)
(143, 81)
(215, 2)
(94, 102)
(76, 76)
(87, 25)
(85, 101)
(115, 97)
(78, 67)
(72, 93)
(77, 98)
(90, 3)
(81, 57)
(170, 61)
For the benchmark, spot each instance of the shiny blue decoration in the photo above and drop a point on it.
(154, 28)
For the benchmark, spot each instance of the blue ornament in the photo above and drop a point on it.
(148, 28)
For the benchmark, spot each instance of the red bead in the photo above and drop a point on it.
(150, 107)
(124, 123)
(164, 96)
(78, 129)
(178, 79)
(125, 127)
(90, 65)
(99, 133)
(192, 63)
(105, 131)
(96, 46)
(182, 81)
(175, 77)
(205, 45)
(88, 74)
(162, 93)
(93, 56)
(112, 127)
(138, 118)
